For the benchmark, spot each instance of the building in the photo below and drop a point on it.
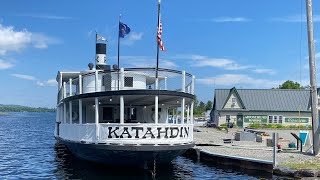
(265, 106)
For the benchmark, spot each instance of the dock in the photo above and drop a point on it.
(211, 147)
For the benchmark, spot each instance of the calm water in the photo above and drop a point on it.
(28, 150)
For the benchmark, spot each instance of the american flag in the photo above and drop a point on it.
(161, 46)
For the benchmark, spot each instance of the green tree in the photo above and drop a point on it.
(209, 105)
(290, 85)
(202, 106)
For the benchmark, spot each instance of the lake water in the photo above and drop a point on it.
(28, 150)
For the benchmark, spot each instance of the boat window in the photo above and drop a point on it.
(128, 81)
(130, 114)
(107, 113)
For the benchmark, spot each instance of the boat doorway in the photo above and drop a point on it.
(240, 120)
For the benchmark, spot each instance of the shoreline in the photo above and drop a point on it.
(211, 140)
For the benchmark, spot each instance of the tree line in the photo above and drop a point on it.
(201, 107)
(17, 108)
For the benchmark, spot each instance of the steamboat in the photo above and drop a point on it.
(125, 116)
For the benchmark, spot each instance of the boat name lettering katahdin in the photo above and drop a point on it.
(148, 132)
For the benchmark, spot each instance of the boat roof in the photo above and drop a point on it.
(67, 75)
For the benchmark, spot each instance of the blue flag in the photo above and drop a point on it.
(123, 29)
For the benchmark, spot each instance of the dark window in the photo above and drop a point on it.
(107, 113)
(128, 81)
(275, 119)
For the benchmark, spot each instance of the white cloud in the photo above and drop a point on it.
(11, 40)
(50, 82)
(296, 18)
(239, 79)
(46, 16)
(230, 19)
(167, 64)
(132, 38)
(5, 65)
(264, 71)
(42, 41)
(223, 63)
(24, 76)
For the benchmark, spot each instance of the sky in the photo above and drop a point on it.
(243, 44)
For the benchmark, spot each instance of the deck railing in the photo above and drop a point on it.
(120, 134)
(128, 79)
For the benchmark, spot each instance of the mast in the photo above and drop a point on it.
(119, 52)
(158, 44)
(313, 81)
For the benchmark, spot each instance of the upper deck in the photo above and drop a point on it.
(93, 81)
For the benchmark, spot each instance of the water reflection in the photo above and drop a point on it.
(70, 167)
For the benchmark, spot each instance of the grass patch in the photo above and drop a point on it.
(3, 113)
(303, 165)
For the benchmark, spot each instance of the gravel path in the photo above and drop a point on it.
(250, 149)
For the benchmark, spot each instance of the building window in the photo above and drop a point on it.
(280, 119)
(275, 119)
(234, 100)
(128, 81)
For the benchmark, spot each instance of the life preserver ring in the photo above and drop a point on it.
(75, 116)
(153, 117)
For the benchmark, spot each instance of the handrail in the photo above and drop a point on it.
(169, 79)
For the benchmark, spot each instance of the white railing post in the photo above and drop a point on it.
(96, 100)
(121, 78)
(60, 82)
(156, 84)
(183, 99)
(165, 83)
(70, 112)
(191, 112)
(183, 81)
(188, 114)
(64, 90)
(156, 103)
(70, 87)
(121, 110)
(167, 117)
(80, 84)
(182, 110)
(64, 113)
(80, 111)
(192, 84)
(96, 80)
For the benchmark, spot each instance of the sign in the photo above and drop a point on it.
(255, 119)
(304, 137)
(146, 132)
(296, 120)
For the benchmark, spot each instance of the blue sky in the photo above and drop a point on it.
(246, 44)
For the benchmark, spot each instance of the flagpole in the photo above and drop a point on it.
(119, 51)
(158, 45)
(95, 54)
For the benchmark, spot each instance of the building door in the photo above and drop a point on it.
(240, 120)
